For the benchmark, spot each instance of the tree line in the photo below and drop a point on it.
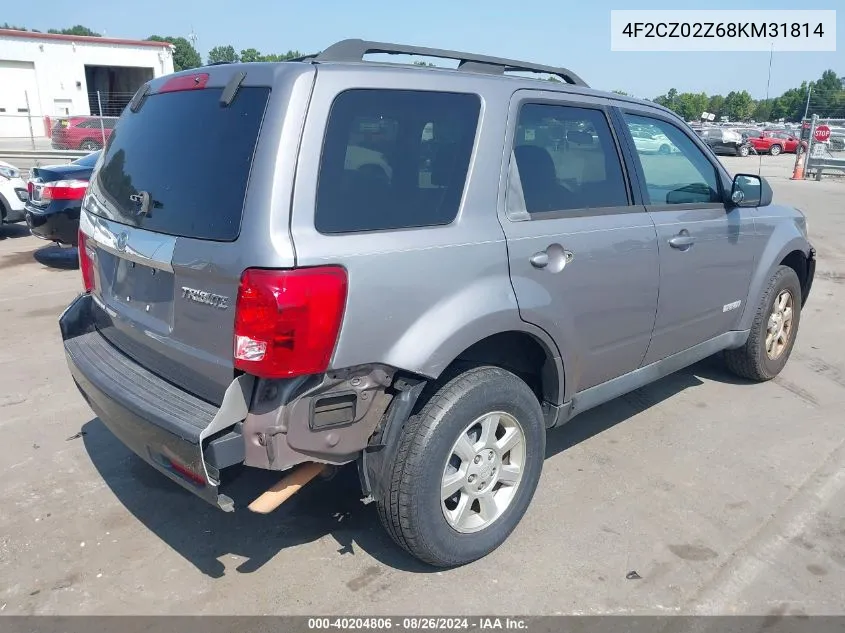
(826, 95)
(826, 98)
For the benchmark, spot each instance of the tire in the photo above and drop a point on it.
(664, 149)
(412, 511)
(743, 151)
(752, 360)
(774, 150)
(799, 150)
(89, 146)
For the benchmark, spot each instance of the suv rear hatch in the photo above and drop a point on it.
(158, 240)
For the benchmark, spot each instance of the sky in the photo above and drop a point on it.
(574, 34)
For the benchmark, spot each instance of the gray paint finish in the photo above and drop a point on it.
(419, 297)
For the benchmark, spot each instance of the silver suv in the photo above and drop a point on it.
(294, 266)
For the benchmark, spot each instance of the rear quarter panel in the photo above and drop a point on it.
(417, 297)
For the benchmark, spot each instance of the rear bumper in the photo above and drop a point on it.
(168, 428)
(57, 224)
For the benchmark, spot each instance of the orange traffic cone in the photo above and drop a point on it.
(798, 171)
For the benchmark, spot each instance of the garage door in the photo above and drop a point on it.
(18, 82)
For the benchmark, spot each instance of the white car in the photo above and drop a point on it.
(13, 194)
(651, 143)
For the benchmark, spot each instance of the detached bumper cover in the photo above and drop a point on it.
(161, 423)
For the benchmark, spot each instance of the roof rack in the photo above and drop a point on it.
(354, 50)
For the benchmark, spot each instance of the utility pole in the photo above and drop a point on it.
(807, 107)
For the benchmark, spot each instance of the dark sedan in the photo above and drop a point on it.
(55, 199)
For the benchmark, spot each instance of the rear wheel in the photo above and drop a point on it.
(773, 332)
(743, 151)
(89, 145)
(774, 150)
(466, 469)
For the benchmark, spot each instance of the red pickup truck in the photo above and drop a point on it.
(775, 143)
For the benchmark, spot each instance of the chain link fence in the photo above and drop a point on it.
(69, 126)
(826, 152)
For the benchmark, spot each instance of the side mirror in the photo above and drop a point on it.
(749, 190)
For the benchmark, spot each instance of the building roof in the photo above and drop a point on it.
(82, 39)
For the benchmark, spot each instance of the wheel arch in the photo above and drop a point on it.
(781, 250)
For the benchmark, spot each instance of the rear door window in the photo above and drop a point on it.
(394, 159)
(567, 159)
(191, 155)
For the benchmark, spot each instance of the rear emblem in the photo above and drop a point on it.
(121, 241)
(205, 297)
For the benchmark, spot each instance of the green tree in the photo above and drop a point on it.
(281, 57)
(75, 30)
(715, 104)
(12, 27)
(790, 105)
(739, 106)
(690, 105)
(621, 92)
(185, 56)
(251, 55)
(420, 62)
(222, 54)
(763, 110)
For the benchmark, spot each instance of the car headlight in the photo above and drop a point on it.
(9, 172)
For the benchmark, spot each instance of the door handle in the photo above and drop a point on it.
(539, 260)
(682, 240)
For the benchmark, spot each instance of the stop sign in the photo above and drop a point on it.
(822, 133)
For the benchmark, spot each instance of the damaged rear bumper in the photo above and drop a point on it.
(267, 424)
(181, 436)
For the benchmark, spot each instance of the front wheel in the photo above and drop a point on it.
(799, 150)
(466, 468)
(775, 150)
(773, 331)
(89, 146)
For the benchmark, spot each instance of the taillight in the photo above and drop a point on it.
(287, 321)
(64, 190)
(86, 262)
(29, 187)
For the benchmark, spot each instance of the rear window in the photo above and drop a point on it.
(394, 159)
(191, 155)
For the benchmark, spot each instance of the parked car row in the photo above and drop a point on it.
(50, 202)
(745, 141)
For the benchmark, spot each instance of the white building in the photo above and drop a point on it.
(44, 75)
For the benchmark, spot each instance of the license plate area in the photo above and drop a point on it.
(143, 292)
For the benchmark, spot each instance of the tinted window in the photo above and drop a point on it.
(191, 155)
(566, 159)
(394, 159)
(681, 176)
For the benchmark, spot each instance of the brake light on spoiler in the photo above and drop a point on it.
(287, 321)
(195, 81)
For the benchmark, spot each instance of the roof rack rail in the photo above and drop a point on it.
(354, 50)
